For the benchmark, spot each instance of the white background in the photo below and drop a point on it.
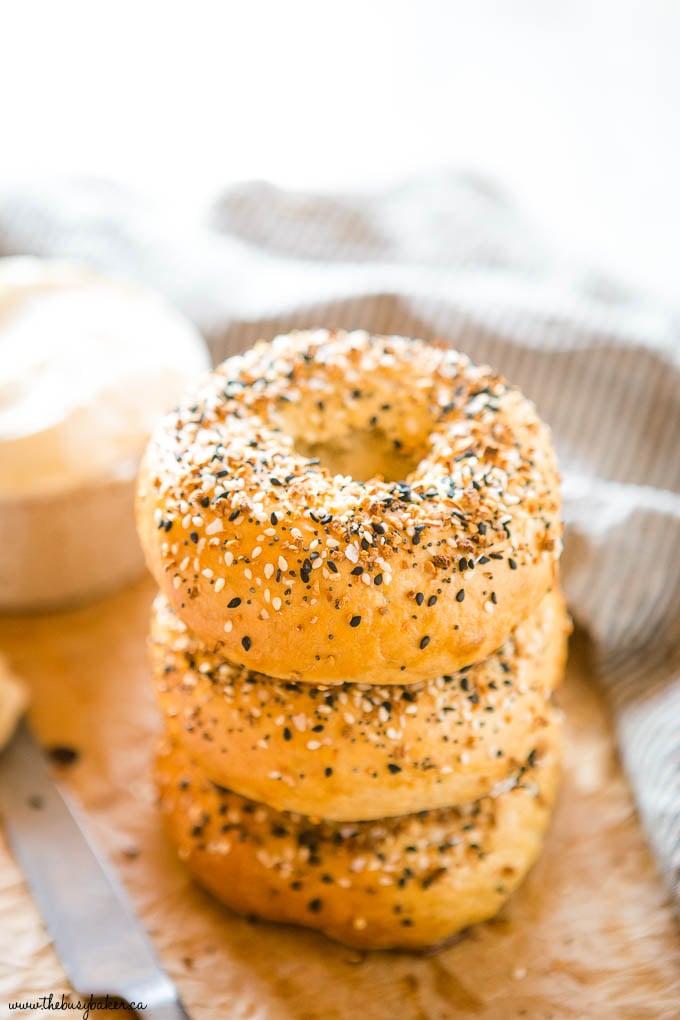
(574, 106)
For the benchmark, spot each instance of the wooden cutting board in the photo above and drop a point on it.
(589, 935)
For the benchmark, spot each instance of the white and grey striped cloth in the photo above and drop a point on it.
(446, 256)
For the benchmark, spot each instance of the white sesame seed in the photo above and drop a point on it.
(268, 570)
(207, 572)
(276, 603)
(228, 626)
(214, 527)
(313, 745)
(228, 558)
(219, 584)
(283, 563)
(352, 553)
(256, 552)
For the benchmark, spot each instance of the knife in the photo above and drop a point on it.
(102, 946)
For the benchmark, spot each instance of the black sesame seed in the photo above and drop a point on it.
(287, 735)
(432, 600)
(460, 595)
(63, 755)
(378, 579)
(234, 514)
(246, 642)
(355, 621)
(420, 598)
(234, 603)
(273, 518)
(193, 535)
(424, 642)
(511, 563)
(328, 771)
(394, 768)
(462, 564)
(332, 567)
(357, 571)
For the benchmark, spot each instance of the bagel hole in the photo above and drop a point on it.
(364, 455)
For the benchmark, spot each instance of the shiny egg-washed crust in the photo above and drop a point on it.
(406, 882)
(307, 574)
(360, 751)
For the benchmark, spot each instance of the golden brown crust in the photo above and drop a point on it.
(360, 751)
(405, 882)
(315, 576)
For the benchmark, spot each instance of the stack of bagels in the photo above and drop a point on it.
(358, 634)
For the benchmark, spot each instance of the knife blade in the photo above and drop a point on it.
(100, 942)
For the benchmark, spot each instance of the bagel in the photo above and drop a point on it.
(404, 882)
(361, 751)
(334, 506)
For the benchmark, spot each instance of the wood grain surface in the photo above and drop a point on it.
(589, 935)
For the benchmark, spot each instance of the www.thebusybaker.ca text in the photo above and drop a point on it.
(83, 1006)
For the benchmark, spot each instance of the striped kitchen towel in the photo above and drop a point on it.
(446, 256)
